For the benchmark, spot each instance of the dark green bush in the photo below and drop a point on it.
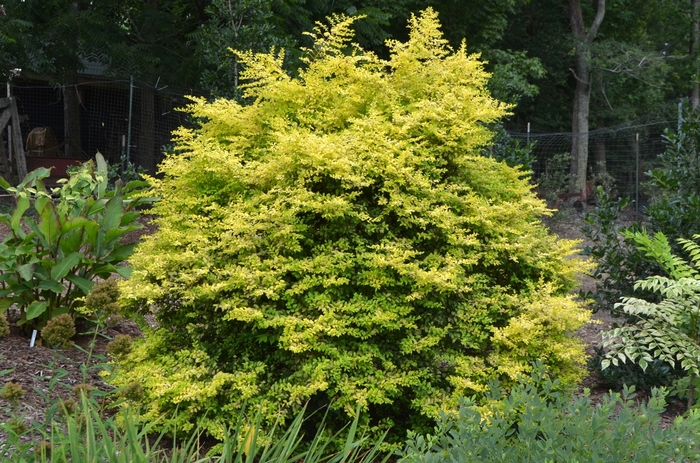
(536, 424)
(675, 208)
(657, 374)
(619, 262)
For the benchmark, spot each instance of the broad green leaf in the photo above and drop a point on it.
(35, 309)
(77, 222)
(83, 284)
(5, 304)
(41, 172)
(4, 184)
(41, 202)
(97, 207)
(123, 271)
(135, 184)
(129, 217)
(117, 232)
(121, 253)
(102, 171)
(20, 209)
(60, 311)
(113, 214)
(26, 271)
(50, 225)
(104, 271)
(53, 286)
(63, 266)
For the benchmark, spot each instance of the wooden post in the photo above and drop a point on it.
(17, 142)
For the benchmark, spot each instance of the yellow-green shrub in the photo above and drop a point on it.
(340, 240)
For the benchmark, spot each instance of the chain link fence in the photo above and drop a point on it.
(618, 158)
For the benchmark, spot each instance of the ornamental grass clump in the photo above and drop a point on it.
(340, 241)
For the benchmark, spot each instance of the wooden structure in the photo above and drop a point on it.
(12, 160)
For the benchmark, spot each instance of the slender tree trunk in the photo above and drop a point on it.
(695, 56)
(147, 152)
(73, 147)
(584, 38)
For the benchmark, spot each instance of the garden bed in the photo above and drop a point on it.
(51, 374)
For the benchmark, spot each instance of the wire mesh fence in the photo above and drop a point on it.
(122, 119)
(131, 120)
(619, 158)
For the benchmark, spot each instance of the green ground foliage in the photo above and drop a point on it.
(535, 424)
(340, 240)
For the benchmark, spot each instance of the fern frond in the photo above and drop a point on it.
(692, 248)
(658, 248)
(645, 342)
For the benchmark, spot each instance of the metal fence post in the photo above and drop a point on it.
(128, 130)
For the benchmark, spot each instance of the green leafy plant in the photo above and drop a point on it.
(675, 208)
(12, 392)
(85, 435)
(59, 331)
(555, 179)
(657, 374)
(668, 329)
(121, 346)
(619, 262)
(535, 423)
(100, 305)
(60, 242)
(512, 151)
(342, 240)
(4, 326)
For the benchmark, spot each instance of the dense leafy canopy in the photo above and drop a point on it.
(341, 238)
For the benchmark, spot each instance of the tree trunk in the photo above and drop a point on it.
(582, 97)
(73, 147)
(695, 56)
(147, 154)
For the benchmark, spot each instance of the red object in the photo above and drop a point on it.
(59, 165)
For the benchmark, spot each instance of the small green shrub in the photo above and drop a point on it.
(555, 179)
(675, 207)
(657, 373)
(535, 424)
(12, 392)
(100, 304)
(59, 331)
(668, 327)
(4, 326)
(133, 392)
(619, 262)
(61, 241)
(120, 346)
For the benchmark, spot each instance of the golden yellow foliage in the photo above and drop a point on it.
(339, 239)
